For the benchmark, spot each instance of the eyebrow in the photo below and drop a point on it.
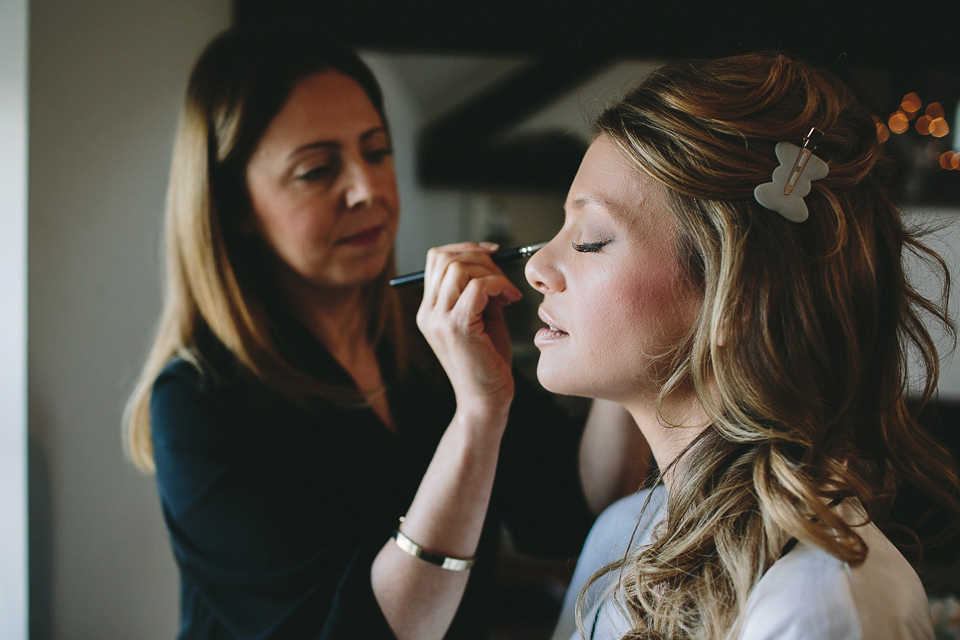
(618, 212)
(609, 206)
(582, 201)
(332, 144)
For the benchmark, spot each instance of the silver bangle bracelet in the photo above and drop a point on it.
(415, 550)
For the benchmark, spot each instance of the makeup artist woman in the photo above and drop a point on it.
(292, 419)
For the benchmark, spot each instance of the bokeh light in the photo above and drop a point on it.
(929, 121)
(898, 122)
(883, 133)
(911, 103)
(934, 110)
(939, 127)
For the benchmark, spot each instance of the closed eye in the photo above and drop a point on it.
(589, 247)
(379, 155)
(316, 173)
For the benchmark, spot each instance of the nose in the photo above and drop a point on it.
(360, 187)
(541, 270)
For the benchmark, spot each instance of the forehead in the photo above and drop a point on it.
(329, 103)
(608, 182)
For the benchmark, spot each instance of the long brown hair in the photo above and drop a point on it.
(214, 272)
(799, 356)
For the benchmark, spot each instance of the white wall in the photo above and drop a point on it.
(428, 217)
(943, 224)
(106, 81)
(13, 317)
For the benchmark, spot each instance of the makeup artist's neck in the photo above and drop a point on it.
(338, 319)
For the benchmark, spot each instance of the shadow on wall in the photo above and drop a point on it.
(40, 541)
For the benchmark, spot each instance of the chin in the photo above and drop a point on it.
(584, 382)
(554, 382)
(370, 270)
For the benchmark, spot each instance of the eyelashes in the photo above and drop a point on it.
(334, 164)
(379, 155)
(590, 247)
(316, 173)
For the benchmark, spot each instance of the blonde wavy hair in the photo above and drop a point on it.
(215, 274)
(799, 356)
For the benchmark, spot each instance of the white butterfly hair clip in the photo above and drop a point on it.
(790, 186)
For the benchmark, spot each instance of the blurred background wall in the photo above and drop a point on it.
(105, 82)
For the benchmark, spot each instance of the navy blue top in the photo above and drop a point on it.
(276, 512)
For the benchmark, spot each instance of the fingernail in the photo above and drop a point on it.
(492, 246)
